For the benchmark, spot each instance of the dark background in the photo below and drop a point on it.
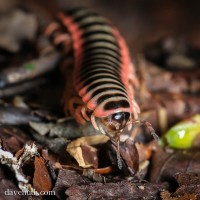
(140, 21)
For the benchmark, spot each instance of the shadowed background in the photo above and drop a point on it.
(140, 21)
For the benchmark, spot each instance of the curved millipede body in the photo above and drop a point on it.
(102, 68)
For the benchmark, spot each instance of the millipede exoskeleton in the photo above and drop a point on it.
(103, 74)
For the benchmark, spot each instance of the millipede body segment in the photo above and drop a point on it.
(102, 68)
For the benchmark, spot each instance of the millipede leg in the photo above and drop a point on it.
(79, 118)
(73, 102)
(83, 111)
(94, 122)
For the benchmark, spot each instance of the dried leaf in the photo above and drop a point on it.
(19, 153)
(92, 175)
(41, 128)
(129, 154)
(189, 183)
(21, 88)
(16, 164)
(13, 137)
(74, 148)
(29, 70)
(119, 190)
(124, 156)
(165, 164)
(68, 129)
(42, 180)
(188, 189)
(90, 155)
(67, 178)
(165, 195)
(12, 144)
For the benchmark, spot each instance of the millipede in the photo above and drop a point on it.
(103, 74)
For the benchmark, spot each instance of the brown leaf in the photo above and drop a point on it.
(92, 175)
(12, 115)
(12, 144)
(119, 190)
(189, 183)
(67, 178)
(165, 195)
(90, 155)
(48, 155)
(165, 164)
(19, 152)
(129, 154)
(187, 178)
(13, 138)
(124, 156)
(41, 180)
(74, 148)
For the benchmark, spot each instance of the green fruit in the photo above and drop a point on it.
(183, 134)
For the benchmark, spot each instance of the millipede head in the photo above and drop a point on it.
(115, 122)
